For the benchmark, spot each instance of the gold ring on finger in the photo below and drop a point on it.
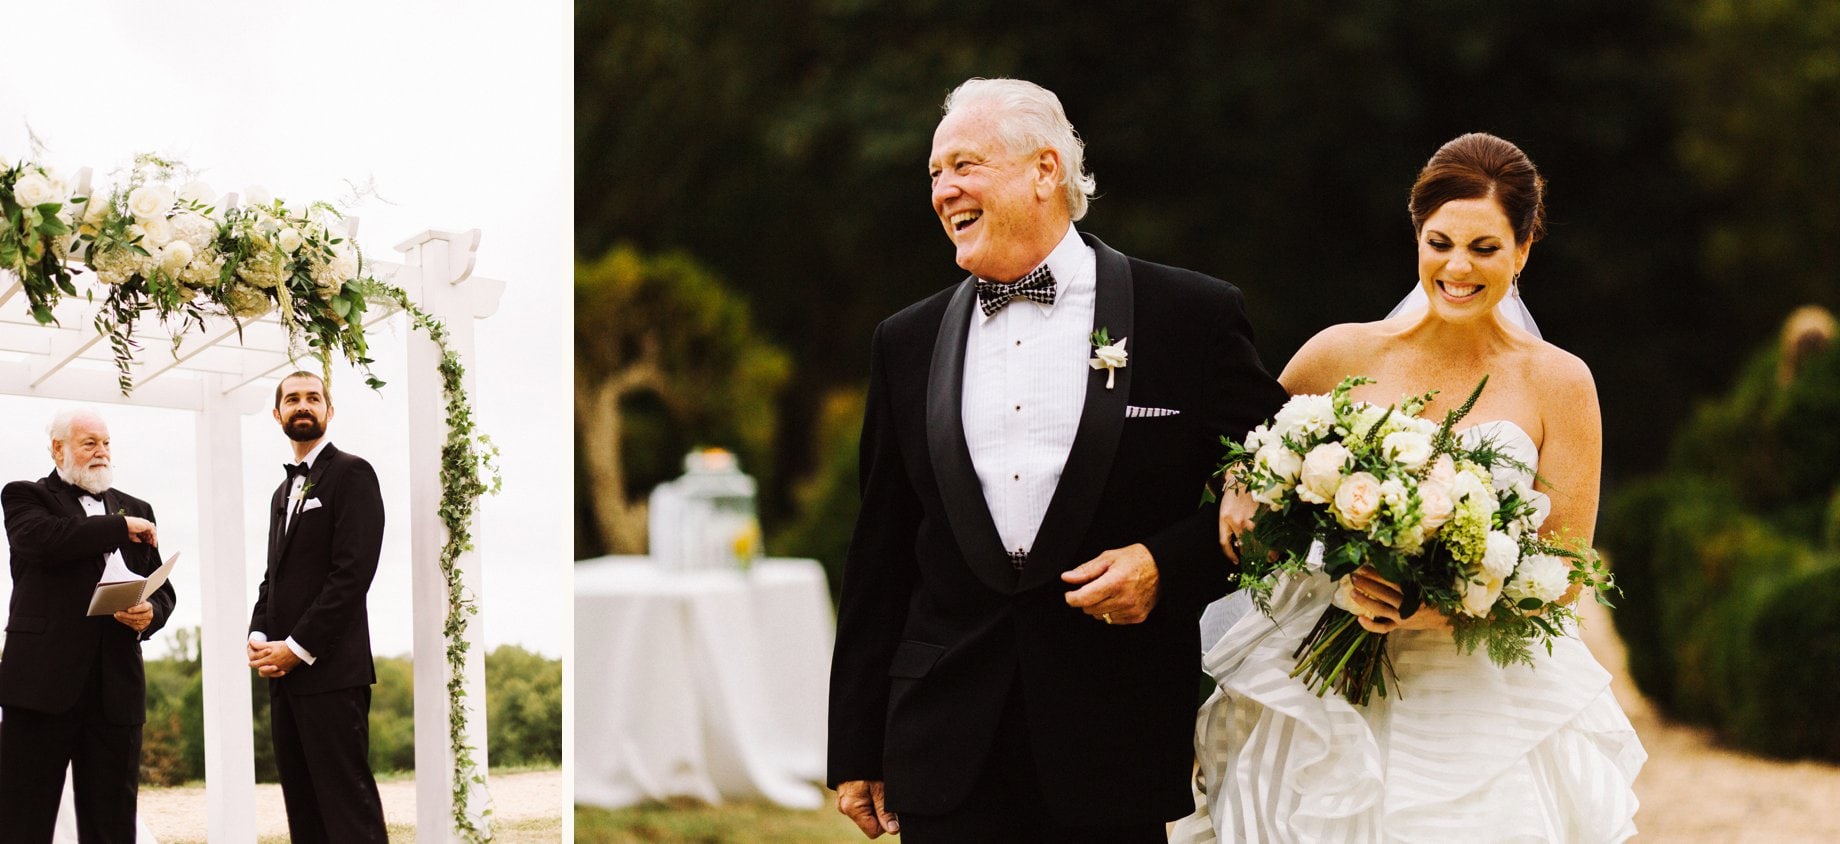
(1105, 617)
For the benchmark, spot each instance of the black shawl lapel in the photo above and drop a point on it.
(1095, 442)
(289, 505)
(70, 498)
(966, 511)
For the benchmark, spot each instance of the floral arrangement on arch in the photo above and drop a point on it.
(175, 255)
(1342, 484)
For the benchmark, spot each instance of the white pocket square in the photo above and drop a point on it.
(309, 504)
(1132, 411)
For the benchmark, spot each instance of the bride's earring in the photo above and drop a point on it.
(1514, 286)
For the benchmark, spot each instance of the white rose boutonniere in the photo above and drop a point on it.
(1108, 355)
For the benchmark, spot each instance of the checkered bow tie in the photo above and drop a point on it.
(1037, 286)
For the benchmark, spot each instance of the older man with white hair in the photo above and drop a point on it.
(1017, 652)
(72, 691)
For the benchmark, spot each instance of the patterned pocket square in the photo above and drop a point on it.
(1132, 411)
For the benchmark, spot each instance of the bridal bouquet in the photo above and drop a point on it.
(1453, 524)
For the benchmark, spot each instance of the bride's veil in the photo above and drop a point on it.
(1512, 309)
(1222, 614)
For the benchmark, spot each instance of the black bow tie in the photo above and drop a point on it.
(1037, 286)
(294, 469)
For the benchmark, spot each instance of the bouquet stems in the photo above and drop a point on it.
(1342, 655)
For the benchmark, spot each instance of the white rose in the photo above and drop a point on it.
(175, 256)
(1541, 576)
(34, 189)
(1357, 499)
(1469, 487)
(256, 196)
(197, 192)
(1435, 504)
(1479, 598)
(1410, 448)
(344, 263)
(155, 233)
(1443, 471)
(95, 208)
(289, 240)
(1305, 416)
(150, 202)
(1499, 554)
(1281, 462)
(1322, 472)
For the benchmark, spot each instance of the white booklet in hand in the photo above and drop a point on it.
(111, 598)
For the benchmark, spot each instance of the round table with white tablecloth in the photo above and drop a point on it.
(703, 684)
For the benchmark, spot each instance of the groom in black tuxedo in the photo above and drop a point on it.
(310, 633)
(1017, 649)
(71, 684)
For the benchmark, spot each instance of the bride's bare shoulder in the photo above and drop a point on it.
(1334, 352)
(1564, 377)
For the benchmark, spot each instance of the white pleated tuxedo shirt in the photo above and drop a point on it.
(1024, 388)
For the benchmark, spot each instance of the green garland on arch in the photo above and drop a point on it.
(463, 457)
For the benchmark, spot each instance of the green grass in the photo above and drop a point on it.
(695, 823)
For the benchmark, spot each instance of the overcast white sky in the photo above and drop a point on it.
(461, 113)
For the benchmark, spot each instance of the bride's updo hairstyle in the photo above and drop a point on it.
(1480, 165)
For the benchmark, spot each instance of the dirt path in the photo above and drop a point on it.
(178, 814)
(1694, 790)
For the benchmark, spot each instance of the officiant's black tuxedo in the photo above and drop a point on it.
(937, 633)
(72, 686)
(320, 569)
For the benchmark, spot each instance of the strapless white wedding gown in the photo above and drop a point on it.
(1460, 750)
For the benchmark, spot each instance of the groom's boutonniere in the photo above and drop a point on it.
(1108, 355)
(301, 494)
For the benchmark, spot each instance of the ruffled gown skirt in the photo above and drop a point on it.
(1460, 750)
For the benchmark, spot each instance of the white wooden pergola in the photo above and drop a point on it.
(225, 373)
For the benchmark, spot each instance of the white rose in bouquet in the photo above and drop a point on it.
(150, 202)
(1410, 448)
(1471, 489)
(1281, 463)
(1541, 576)
(34, 189)
(175, 256)
(95, 207)
(1357, 500)
(344, 263)
(1443, 471)
(1435, 506)
(1304, 417)
(289, 240)
(1479, 598)
(1321, 475)
(155, 233)
(1499, 554)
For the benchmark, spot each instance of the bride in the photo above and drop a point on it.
(1460, 750)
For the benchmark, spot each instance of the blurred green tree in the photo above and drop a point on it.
(666, 358)
(524, 707)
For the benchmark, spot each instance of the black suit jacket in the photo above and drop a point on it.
(58, 554)
(320, 570)
(934, 626)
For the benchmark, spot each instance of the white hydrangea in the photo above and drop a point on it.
(1499, 554)
(1541, 576)
(1305, 417)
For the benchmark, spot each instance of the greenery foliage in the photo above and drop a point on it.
(523, 703)
(1729, 565)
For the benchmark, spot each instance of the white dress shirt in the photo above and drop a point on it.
(294, 501)
(114, 569)
(1024, 389)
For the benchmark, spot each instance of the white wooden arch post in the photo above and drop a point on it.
(222, 374)
(437, 273)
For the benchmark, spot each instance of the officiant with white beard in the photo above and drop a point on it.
(72, 691)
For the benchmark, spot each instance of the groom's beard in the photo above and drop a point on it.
(94, 478)
(303, 427)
